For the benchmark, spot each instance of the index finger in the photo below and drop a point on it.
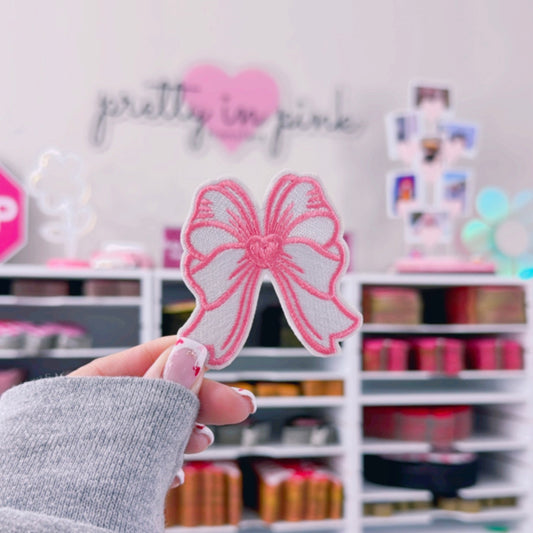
(221, 405)
(131, 362)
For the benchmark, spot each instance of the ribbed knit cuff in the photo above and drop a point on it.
(96, 450)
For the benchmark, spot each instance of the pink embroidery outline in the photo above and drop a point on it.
(242, 225)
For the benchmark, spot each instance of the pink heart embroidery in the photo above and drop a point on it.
(233, 107)
(263, 251)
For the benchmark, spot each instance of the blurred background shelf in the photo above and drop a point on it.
(415, 518)
(373, 445)
(267, 375)
(62, 353)
(444, 398)
(444, 329)
(300, 401)
(504, 396)
(71, 301)
(259, 351)
(308, 525)
(421, 375)
(276, 450)
(399, 519)
(490, 486)
(371, 493)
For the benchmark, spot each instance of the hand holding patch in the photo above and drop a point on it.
(228, 248)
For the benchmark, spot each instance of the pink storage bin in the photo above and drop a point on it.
(482, 354)
(513, 355)
(453, 360)
(385, 354)
(442, 426)
(493, 353)
(392, 305)
(439, 426)
(438, 354)
(425, 354)
(71, 336)
(413, 423)
(11, 335)
(40, 287)
(398, 355)
(373, 354)
(39, 337)
(464, 420)
(379, 422)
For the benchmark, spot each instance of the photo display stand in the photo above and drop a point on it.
(433, 190)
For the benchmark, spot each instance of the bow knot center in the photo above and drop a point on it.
(264, 250)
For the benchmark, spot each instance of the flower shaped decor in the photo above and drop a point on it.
(62, 192)
(504, 231)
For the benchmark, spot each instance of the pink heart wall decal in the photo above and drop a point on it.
(233, 107)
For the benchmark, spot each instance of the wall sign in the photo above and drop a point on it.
(233, 110)
(13, 222)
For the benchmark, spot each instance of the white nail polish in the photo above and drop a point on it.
(249, 396)
(200, 429)
(179, 479)
(185, 363)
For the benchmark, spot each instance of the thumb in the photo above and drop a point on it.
(182, 363)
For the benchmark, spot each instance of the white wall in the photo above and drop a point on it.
(56, 56)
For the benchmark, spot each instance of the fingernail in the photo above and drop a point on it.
(185, 363)
(249, 397)
(200, 429)
(179, 479)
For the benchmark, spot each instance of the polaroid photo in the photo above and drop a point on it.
(460, 140)
(428, 227)
(453, 192)
(404, 193)
(403, 133)
(431, 162)
(432, 100)
(431, 150)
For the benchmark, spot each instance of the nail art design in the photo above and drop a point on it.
(249, 396)
(185, 362)
(201, 429)
(179, 479)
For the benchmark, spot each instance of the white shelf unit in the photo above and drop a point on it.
(272, 364)
(203, 529)
(501, 398)
(274, 449)
(458, 518)
(70, 301)
(61, 353)
(502, 401)
(113, 322)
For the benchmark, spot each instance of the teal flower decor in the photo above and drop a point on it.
(503, 233)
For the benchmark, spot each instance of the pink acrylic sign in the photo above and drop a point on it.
(12, 216)
(173, 248)
(231, 107)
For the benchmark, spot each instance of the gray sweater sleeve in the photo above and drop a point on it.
(91, 455)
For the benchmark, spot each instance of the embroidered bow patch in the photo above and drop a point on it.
(229, 246)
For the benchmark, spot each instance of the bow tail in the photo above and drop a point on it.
(223, 329)
(319, 321)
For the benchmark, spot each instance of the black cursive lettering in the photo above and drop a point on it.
(305, 120)
(165, 102)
